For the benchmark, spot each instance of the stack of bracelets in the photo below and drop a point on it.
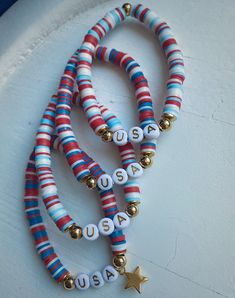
(55, 132)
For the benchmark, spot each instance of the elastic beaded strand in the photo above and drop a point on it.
(44, 172)
(161, 29)
(173, 54)
(142, 91)
(107, 198)
(38, 229)
(63, 122)
(43, 246)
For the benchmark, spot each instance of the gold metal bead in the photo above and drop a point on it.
(127, 8)
(107, 136)
(146, 161)
(164, 124)
(132, 210)
(119, 261)
(91, 182)
(68, 283)
(102, 131)
(75, 232)
(169, 116)
(150, 154)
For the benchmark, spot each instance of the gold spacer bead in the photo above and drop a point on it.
(75, 231)
(107, 136)
(90, 181)
(164, 124)
(150, 154)
(169, 116)
(101, 131)
(68, 282)
(119, 261)
(127, 8)
(146, 161)
(132, 210)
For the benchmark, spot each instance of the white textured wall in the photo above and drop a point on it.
(184, 238)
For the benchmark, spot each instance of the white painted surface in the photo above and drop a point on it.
(184, 238)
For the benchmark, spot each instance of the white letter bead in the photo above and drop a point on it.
(136, 134)
(120, 176)
(134, 170)
(110, 274)
(121, 220)
(151, 131)
(105, 182)
(96, 280)
(90, 232)
(82, 281)
(106, 226)
(120, 137)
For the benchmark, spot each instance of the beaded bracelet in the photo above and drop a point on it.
(172, 52)
(84, 168)
(45, 248)
(48, 255)
(43, 158)
(70, 144)
(44, 173)
(46, 251)
(64, 124)
(45, 140)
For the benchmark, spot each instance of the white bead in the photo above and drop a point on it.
(90, 232)
(120, 176)
(121, 220)
(134, 170)
(106, 226)
(105, 182)
(136, 134)
(120, 137)
(96, 280)
(151, 131)
(82, 281)
(110, 274)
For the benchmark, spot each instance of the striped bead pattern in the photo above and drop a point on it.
(172, 52)
(148, 146)
(142, 91)
(108, 200)
(85, 56)
(63, 121)
(132, 191)
(38, 229)
(44, 172)
(168, 43)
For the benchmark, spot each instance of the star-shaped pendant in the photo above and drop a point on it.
(135, 279)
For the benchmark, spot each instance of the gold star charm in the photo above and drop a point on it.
(135, 279)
